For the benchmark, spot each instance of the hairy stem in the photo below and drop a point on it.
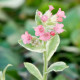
(45, 66)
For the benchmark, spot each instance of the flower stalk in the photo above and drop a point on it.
(45, 66)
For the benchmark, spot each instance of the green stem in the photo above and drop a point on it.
(45, 66)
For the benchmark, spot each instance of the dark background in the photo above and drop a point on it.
(16, 20)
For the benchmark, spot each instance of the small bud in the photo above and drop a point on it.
(61, 13)
(51, 7)
(39, 13)
(52, 33)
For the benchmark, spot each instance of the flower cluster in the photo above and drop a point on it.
(49, 26)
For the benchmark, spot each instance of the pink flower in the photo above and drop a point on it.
(51, 7)
(52, 33)
(61, 13)
(58, 28)
(59, 19)
(26, 38)
(45, 36)
(44, 18)
(39, 30)
(39, 13)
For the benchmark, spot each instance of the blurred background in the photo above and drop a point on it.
(18, 16)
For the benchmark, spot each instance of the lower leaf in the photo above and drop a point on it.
(33, 70)
(58, 66)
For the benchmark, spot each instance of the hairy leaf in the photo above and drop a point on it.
(30, 47)
(58, 66)
(52, 45)
(33, 70)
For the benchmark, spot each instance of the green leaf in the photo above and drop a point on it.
(13, 74)
(4, 71)
(72, 21)
(37, 19)
(75, 38)
(10, 28)
(30, 47)
(33, 70)
(58, 66)
(51, 46)
(9, 57)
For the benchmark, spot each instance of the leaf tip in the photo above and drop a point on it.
(10, 65)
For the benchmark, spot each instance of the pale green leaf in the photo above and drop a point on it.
(0, 75)
(33, 70)
(48, 13)
(30, 47)
(51, 46)
(4, 71)
(58, 66)
(37, 19)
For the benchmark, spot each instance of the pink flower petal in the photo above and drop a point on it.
(45, 36)
(59, 19)
(58, 28)
(39, 30)
(26, 38)
(23, 36)
(44, 18)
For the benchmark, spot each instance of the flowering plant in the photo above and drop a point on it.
(46, 41)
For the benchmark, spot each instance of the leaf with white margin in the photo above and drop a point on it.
(11, 3)
(48, 13)
(4, 71)
(33, 70)
(34, 48)
(52, 45)
(58, 66)
(38, 19)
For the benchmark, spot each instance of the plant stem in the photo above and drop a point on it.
(45, 66)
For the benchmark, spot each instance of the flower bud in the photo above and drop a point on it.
(51, 7)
